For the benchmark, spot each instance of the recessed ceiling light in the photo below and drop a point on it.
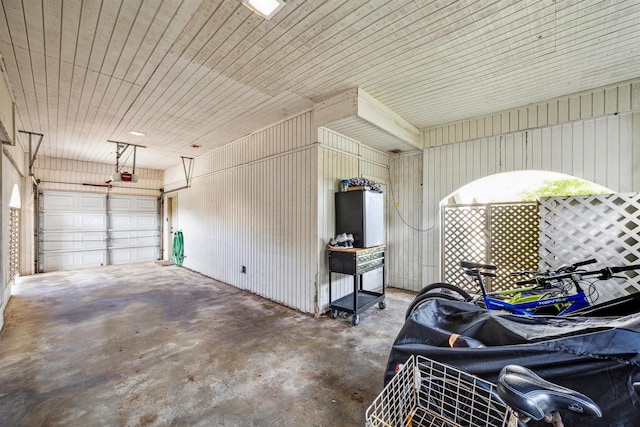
(134, 133)
(264, 8)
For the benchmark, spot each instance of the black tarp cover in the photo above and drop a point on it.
(599, 357)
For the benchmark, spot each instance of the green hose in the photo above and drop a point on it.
(177, 251)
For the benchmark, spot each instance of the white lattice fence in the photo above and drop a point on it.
(604, 227)
(504, 234)
(14, 239)
(464, 238)
(514, 243)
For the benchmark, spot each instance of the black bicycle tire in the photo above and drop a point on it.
(443, 285)
(417, 302)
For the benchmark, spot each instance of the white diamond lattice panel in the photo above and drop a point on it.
(14, 239)
(514, 243)
(604, 227)
(464, 239)
(502, 234)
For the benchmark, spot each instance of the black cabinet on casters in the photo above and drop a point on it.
(356, 262)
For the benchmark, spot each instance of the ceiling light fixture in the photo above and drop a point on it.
(264, 8)
(134, 133)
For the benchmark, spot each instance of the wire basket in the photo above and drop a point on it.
(428, 393)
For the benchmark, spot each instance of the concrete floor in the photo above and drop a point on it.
(146, 345)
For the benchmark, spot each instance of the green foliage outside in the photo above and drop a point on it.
(563, 187)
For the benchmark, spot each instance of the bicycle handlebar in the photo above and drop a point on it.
(613, 270)
(585, 262)
(542, 280)
(524, 273)
(603, 274)
(548, 273)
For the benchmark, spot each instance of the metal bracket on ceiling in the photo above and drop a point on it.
(32, 154)
(121, 148)
(188, 171)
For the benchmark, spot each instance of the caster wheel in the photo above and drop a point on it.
(382, 305)
(355, 320)
(334, 314)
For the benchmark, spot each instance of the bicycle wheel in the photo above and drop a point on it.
(446, 288)
(420, 300)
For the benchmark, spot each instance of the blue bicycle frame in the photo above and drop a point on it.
(576, 302)
(573, 302)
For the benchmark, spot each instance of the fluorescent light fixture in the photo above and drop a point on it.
(134, 133)
(264, 8)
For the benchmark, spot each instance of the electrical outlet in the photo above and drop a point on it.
(244, 269)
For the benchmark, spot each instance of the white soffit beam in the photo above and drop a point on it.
(358, 115)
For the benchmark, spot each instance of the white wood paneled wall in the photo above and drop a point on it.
(405, 222)
(620, 98)
(342, 157)
(253, 203)
(90, 177)
(605, 150)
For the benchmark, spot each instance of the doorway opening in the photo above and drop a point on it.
(172, 223)
(496, 220)
(523, 186)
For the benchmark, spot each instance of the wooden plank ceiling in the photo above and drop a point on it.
(206, 72)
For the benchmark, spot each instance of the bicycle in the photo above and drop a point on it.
(520, 294)
(425, 392)
(452, 292)
(550, 289)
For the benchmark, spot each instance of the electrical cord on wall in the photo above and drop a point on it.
(395, 204)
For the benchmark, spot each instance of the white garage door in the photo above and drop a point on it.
(79, 230)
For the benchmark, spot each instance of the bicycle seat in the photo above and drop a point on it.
(530, 395)
(475, 265)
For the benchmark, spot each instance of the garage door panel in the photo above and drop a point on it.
(64, 221)
(59, 202)
(52, 241)
(90, 202)
(74, 228)
(56, 261)
(57, 221)
(134, 238)
(134, 221)
(126, 255)
(74, 202)
(137, 204)
(134, 230)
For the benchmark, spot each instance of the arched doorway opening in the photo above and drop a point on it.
(496, 220)
(523, 186)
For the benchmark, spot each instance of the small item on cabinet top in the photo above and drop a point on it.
(342, 240)
(358, 183)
